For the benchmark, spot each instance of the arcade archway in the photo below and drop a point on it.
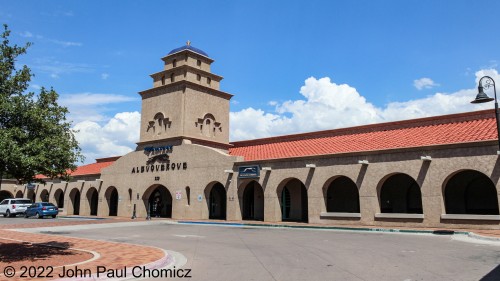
(93, 199)
(159, 201)
(292, 195)
(112, 200)
(342, 196)
(75, 197)
(400, 193)
(44, 196)
(4, 194)
(216, 195)
(470, 192)
(59, 198)
(252, 201)
(19, 194)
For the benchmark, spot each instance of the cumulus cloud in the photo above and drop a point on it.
(327, 105)
(104, 76)
(323, 105)
(424, 83)
(116, 137)
(92, 106)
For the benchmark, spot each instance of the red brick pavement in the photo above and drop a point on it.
(110, 254)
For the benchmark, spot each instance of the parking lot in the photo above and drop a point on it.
(240, 253)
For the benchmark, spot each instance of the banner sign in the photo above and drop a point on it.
(245, 172)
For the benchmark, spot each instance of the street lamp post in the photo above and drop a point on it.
(482, 98)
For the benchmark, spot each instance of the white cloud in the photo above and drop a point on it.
(115, 138)
(104, 76)
(55, 68)
(424, 83)
(66, 43)
(91, 106)
(272, 103)
(328, 106)
(26, 34)
(84, 99)
(325, 105)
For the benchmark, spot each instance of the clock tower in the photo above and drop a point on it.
(185, 103)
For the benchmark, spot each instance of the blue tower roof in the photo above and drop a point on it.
(188, 47)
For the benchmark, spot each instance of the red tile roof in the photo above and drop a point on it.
(438, 130)
(90, 169)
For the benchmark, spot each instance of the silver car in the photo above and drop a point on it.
(14, 206)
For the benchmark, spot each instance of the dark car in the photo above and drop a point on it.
(41, 209)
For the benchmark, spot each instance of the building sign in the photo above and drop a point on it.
(159, 149)
(159, 167)
(245, 172)
(159, 161)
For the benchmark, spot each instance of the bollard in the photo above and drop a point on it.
(148, 218)
(134, 214)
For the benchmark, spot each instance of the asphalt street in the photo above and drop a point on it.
(237, 253)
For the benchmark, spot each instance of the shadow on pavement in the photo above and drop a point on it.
(493, 275)
(19, 251)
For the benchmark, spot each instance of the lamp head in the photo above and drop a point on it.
(481, 96)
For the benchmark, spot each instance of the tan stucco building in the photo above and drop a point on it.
(431, 172)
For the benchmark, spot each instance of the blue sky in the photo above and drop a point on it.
(395, 59)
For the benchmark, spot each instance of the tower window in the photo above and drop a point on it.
(209, 80)
(198, 63)
(163, 80)
(186, 58)
(198, 77)
(174, 63)
(172, 78)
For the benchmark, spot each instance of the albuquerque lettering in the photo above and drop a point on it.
(160, 167)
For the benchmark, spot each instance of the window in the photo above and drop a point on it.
(188, 194)
(163, 80)
(209, 80)
(186, 58)
(174, 63)
(130, 194)
(198, 63)
(198, 77)
(172, 78)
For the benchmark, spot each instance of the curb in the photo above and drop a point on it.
(482, 237)
(341, 228)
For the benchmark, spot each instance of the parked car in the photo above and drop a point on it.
(14, 206)
(41, 209)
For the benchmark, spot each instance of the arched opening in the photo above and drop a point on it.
(342, 195)
(252, 201)
(4, 194)
(32, 195)
(59, 198)
(159, 201)
(19, 194)
(216, 201)
(74, 196)
(400, 193)
(112, 199)
(292, 194)
(93, 199)
(44, 196)
(471, 192)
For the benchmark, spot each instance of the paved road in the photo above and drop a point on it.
(234, 253)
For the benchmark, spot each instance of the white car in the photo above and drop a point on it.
(12, 207)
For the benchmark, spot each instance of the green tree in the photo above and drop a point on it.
(35, 137)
